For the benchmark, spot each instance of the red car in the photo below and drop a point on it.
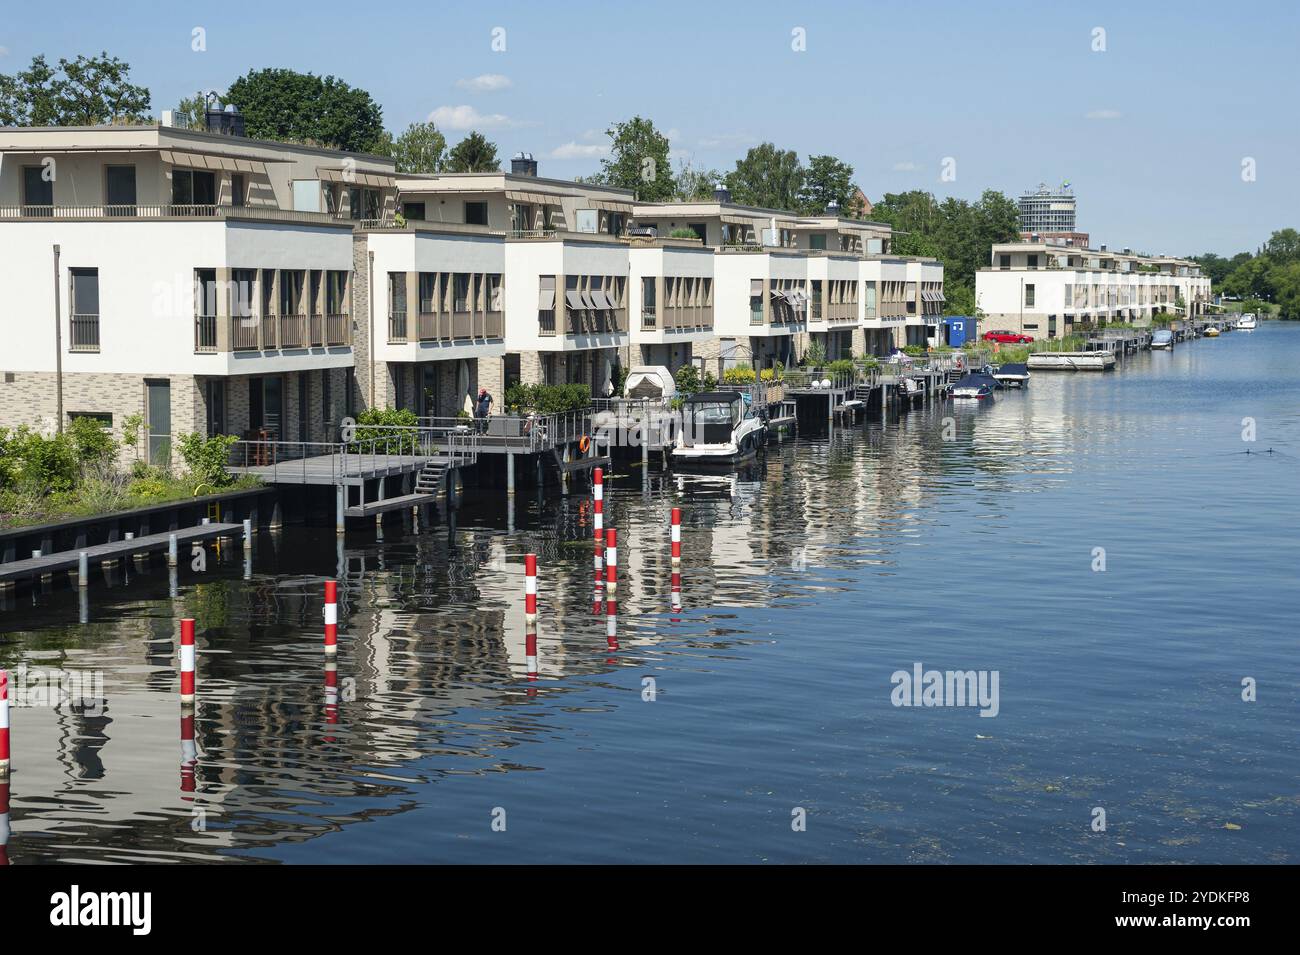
(1007, 338)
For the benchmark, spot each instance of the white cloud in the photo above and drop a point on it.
(906, 166)
(467, 117)
(485, 83)
(572, 150)
(1104, 114)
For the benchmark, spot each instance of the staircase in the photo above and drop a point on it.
(430, 478)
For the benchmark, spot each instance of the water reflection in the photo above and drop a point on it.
(884, 538)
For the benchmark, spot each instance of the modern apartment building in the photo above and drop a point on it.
(202, 281)
(1045, 289)
(213, 283)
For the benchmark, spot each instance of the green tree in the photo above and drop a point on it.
(638, 160)
(191, 111)
(473, 154)
(87, 91)
(285, 105)
(419, 149)
(828, 180)
(767, 177)
(694, 184)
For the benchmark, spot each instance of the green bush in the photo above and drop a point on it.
(206, 458)
(843, 366)
(739, 375)
(374, 431)
(683, 234)
(91, 442)
(37, 463)
(547, 399)
(687, 379)
(814, 355)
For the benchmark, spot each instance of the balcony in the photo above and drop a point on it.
(44, 213)
(596, 321)
(272, 332)
(84, 333)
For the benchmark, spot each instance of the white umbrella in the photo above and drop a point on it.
(462, 383)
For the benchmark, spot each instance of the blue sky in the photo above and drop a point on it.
(1152, 132)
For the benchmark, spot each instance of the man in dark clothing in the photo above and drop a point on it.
(482, 408)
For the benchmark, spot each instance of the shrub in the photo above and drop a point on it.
(547, 399)
(41, 464)
(374, 431)
(740, 375)
(687, 379)
(206, 458)
(843, 366)
(683, 234)
(92, 444)
(814, 355)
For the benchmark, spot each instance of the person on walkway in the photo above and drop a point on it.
(482, 408)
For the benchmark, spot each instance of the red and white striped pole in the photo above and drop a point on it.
(598, 505)
(677, 559)
(530, 615)
(331, 616)
(611, 588)
(187, 660)
(4, 724)
(331, 694)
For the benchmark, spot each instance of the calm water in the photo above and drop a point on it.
(808, 583)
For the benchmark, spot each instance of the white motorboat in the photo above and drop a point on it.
(1246, 322)
(720, 429)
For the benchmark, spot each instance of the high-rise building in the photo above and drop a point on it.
(1050, 214)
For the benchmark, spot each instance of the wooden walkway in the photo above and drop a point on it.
(34, 567)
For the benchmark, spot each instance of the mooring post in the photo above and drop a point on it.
(340, 502)
(598, 518)
(4, 724)
(611, 589)
(530, 614)
(187, 661)
(171, 550)
(331, 617)
(248, 534)
(510, 473)
(83, 570)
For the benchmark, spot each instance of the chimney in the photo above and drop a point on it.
(721, 195)
(228, 121)
(523, 164)
(1103, 248)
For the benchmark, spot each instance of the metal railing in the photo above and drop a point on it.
(84, 332)
(163, 211)
(293, 331)
(397, 325)
(515, 433)
(372, 449)
(338, 328)
(205, 333)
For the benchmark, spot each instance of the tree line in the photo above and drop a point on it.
(1267, 280)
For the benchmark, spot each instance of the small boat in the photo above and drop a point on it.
(977, 386)
(1012, 375)
(1211, 331)
(720, 429)
(1162, 338)
(1246, 322)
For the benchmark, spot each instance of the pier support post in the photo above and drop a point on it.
(83, 570)
(171, 550)
(340, 502)
(248, 534)
(510, 473)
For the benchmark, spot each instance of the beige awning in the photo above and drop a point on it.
(545, 299)
(209, 161)
(736, 220)
(574, 299)
(600, 299)
(355, 178)
(534, 198)
(611, 205)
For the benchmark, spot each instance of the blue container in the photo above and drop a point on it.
(959, 329)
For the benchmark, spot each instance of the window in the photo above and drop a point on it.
(546, 304)
(476, 213)
(413, 211)
(354, 203)
(817, 242)
(326, 398)
(428, 287)
(37, 190)
(304, 413)
(84, 309)
(460, 292)
(191, 187)
(649, 310)
(701, 230)
(216, 394)
(291, 282)
(1033, 261)
(756, 301)
(103, 418)
(1029, 296)
(586, 220)
(1004, 261)
(205, 310)
(371, 203)
(336, 289)
(119, 189)
(816, 301)
(237, 189)
(494, 303)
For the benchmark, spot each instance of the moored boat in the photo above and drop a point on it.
(975, 386)
(1211, 331)
(1012, 375)
(720, 429)
(1162, 338)
(1246, 322)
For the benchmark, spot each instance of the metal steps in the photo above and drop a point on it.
(430, 478)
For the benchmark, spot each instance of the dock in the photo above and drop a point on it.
(1071, 361)
(45, 565)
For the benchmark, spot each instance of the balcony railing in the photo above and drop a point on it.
(397, 326)
(546, 322)
(205, 333)
(269, 337)
(338, 328)
(243, 333)
(293, 331)
(163, 211)
(597, 321)
(85, 333)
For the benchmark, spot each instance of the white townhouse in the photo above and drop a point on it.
(201, 280)
(1046, 288)
(783, 282)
